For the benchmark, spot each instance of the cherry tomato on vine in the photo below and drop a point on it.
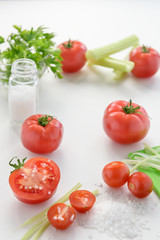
(147, 61)
(61, 216)
(140, 184)
(41, 133)
(82, 200)
(115, 174)
(125, 122)
(35, 180)
(73, 54)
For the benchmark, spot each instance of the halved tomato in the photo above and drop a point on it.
(34, 181)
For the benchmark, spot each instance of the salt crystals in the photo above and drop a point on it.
(117, 214)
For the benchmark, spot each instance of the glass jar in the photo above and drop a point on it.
(23, 90)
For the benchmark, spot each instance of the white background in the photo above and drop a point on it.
(79, 100)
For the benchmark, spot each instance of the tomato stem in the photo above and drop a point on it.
(19, 165)
(145, 49)
(69, 44)
(130, 109)
(44, 120)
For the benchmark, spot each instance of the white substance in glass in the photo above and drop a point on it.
(22, 102)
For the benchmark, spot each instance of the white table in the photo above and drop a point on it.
(78, 101)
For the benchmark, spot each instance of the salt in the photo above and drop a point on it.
(117, 214)
(22, 102)
(22, 98)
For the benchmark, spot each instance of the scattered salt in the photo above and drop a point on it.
(118, 214)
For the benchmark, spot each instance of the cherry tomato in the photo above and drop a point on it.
(73, 54)
(147, 61)
(115, 174)
(125, 122)
(61, 216)
(34, 181)
(140, 184)
(82, 200)
(41, 133)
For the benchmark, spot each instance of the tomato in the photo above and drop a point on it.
(82, 200)
(115, 174)
(41, 133)
(147, 61)
(140, 184)
(73, 54)
(125, 122)
(34, 181)
(61, 216)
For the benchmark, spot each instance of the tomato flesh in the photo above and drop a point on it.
(115, 174)
(82, 200)
(36, 181)
(61, 216)
(140, 184)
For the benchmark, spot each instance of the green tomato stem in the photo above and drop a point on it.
(102, 52)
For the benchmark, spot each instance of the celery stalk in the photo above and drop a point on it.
(41, 230)
(116, 64)
(33, 230)
(102, 52)
(42, 214)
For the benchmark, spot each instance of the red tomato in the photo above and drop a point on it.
(125, 122)
(61, 216)
(115, 174)
(41, 133)
(140, 184)
(34, 181)
(147, 61)
(74, 55)
(82, 200)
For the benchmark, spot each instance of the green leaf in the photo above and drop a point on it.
(35, 44)
(1, 40)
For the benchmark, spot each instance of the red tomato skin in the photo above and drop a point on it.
(39, 139)
(74, 58)
(140, 184)
(115, 174)
(146, 63)
(125, 128)
(68, 216)
(76, 202)
(34, 197)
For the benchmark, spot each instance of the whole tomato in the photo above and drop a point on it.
(35, 180)
(73, 54)
(41, 133)
(147, 61)
(125, 122)
(115, 174)
(140, 184)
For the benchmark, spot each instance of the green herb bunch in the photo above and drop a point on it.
(35, 44)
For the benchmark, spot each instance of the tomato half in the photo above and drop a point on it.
(140, 184)
(41, 133)
(82, 200)
(35, 181)
(147, 61)
(125, 122)
(115, 174)
(61, 216)
(73, 54)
